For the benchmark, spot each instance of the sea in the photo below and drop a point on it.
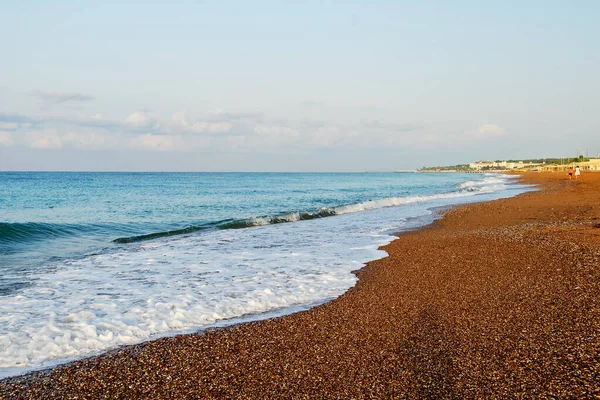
(93, 261)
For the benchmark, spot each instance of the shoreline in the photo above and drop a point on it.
(456, 309)
(412, 223)
(436, 213)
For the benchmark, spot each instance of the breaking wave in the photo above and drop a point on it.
(466, 189)
(35, 231)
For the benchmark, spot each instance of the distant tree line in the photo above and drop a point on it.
(458, 167)
(563, 160)
(466, 167)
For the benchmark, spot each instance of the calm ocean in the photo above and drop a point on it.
(92, 261)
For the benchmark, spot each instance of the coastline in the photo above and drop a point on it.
(494, 299)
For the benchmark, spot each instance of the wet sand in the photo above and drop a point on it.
(495, 300)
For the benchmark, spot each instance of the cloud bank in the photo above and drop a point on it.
(223, 132)
(217, 130)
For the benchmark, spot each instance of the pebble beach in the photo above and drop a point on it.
(494, 300)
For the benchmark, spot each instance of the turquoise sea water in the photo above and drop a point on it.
(91, 261)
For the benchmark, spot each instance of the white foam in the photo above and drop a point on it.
(140, 291)
(490, 183)
(395, 201)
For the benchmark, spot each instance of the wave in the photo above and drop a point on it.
(278, 219)
(139, 238)
(234, 224)
(304, 215)
(11, 232)
(488, 184)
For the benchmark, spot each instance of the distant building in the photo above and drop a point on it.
(479, 165)
(593, 164)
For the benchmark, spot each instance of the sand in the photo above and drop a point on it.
(496, 300)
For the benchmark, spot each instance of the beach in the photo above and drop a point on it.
(495, 300)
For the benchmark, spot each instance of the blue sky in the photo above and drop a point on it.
(295, 86)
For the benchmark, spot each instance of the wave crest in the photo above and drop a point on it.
(23, 232)
(304, 215)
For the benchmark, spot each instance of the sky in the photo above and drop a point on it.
(295, 85)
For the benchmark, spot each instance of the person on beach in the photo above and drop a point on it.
(577, 172)
(570, 173)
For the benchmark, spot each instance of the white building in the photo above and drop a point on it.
(481, 164)
(478, 165)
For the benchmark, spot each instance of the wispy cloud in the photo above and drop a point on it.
(212, 123)
(12, 117)
(61, 97)
(14, 122)
(489, 131)
(142, 120)
(9, 126)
